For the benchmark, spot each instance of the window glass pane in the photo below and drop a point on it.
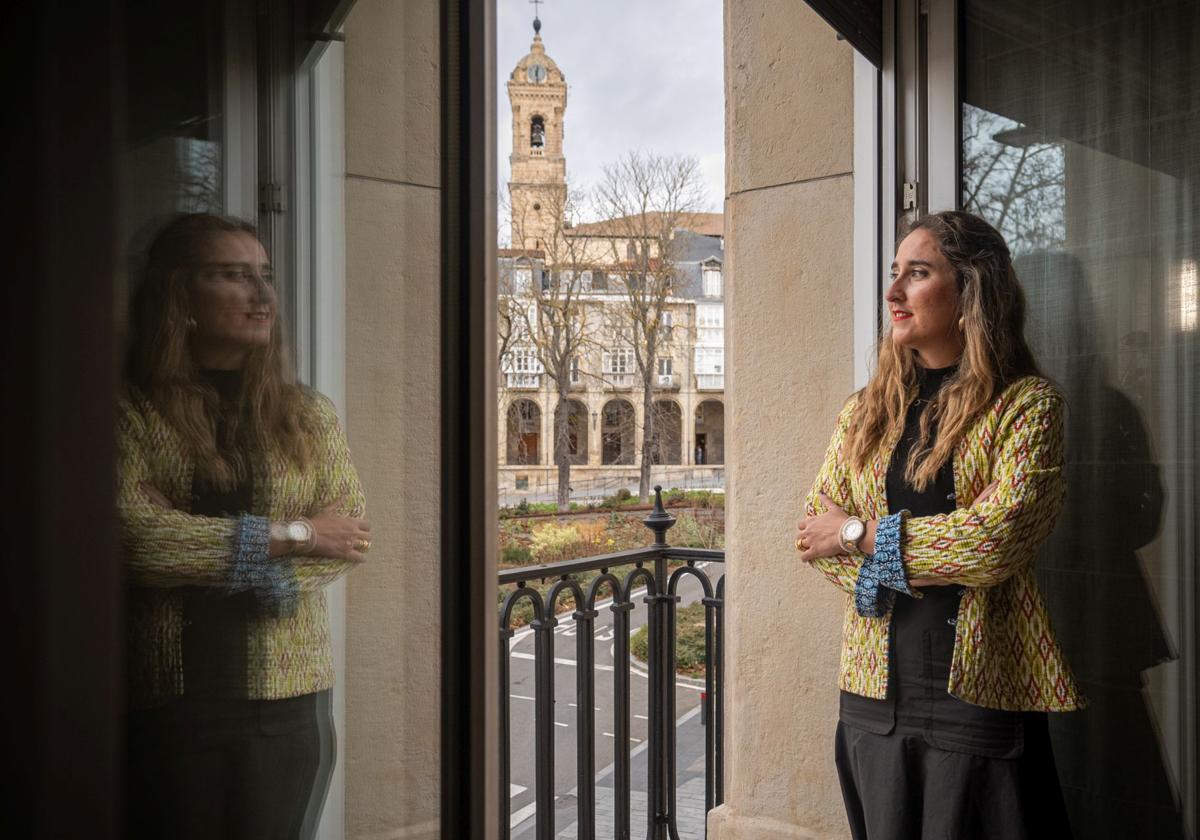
(1079, 145)
(277, 682)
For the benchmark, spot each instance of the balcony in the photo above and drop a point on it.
(666, 382)
(660, 578)
(619, 381)
(524, 381)
(710, 382)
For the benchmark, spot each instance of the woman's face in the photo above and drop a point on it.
(232, 300)
(922, 301)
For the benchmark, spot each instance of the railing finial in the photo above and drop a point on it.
(659, 521)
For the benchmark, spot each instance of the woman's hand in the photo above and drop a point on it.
(342, 537)
(817, 536)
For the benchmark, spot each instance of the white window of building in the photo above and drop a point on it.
(524, 360)
(710, 315)
(665, 366)
(710, 360)
(576, 376)
(711, 277)
(618, 360)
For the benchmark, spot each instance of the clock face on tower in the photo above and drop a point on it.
(537, 73)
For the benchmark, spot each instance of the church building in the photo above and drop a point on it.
(606, 419)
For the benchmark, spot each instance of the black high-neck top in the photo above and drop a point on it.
(923, 629)
(214, 621)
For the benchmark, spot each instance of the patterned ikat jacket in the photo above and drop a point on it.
(1005, 653)
(165, 550)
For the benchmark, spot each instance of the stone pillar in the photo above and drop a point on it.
(789, 218)
(687, 402)
(392, 385)
(595, 404)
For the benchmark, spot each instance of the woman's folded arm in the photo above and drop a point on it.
(987, 543)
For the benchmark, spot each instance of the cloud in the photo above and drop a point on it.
(640, 75)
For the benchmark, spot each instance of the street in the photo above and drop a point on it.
(689, 732)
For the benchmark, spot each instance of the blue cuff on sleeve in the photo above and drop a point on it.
(882, 574)
(272, 582)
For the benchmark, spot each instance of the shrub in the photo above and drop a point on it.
(516, 555)
(689, 641)
(550, 541)
(689, 532)
(616, 500)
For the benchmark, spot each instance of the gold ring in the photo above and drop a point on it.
(362, 546)
(801, 545)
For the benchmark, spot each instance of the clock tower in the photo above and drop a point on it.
(537, 92)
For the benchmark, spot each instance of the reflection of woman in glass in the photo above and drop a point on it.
(943, 477)
(238, 504)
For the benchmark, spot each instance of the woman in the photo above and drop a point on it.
(239, 504)
(943, 477)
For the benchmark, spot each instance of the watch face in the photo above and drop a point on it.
(853, 530)
(537, 73)
(297, 532)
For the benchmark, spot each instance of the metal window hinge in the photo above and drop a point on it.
(270, 198)
(908, 195)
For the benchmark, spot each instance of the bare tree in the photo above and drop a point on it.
(549, 316)
(1015, 179)
(646, 198)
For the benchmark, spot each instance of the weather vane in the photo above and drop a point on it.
(537, 23)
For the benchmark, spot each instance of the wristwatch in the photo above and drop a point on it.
(852, 530)
(299, 533)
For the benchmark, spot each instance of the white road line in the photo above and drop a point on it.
(641, 717)
(529, 810)
(563, 725)
(631, 738)
(525, 631)
(559, 661)
(517, 790)
(521, 697)
(524, 814)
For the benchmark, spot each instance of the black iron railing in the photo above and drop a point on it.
(652, 570)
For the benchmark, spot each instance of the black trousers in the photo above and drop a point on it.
(216, 768)
(899, 787)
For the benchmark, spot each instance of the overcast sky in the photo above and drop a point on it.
(640, 75)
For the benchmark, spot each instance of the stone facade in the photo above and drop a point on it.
(789, 90)
(607, 419)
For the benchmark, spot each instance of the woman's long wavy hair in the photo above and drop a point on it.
(992, 309)
(162, 365)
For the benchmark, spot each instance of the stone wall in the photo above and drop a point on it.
(789, 357)
(392, 385)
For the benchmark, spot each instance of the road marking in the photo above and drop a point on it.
(521, 697)
(634, 597)
(516, 790)
(563, 725)
(559, 661)
(641, 717)
(576, 706)
(524, 814)
(631, 738)
(529, 810)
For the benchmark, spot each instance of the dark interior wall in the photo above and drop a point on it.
(62, 128)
